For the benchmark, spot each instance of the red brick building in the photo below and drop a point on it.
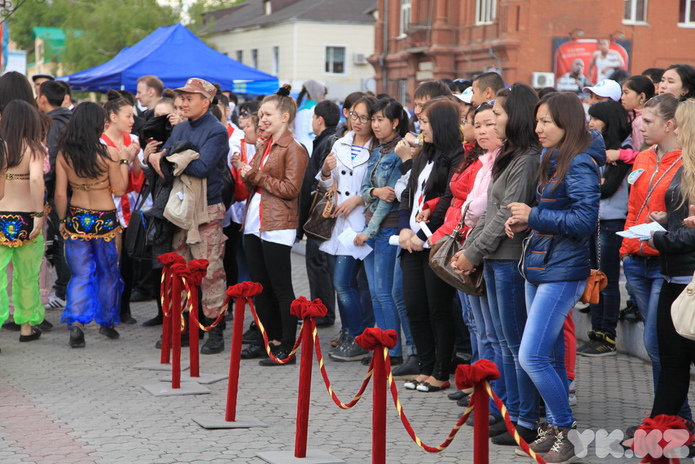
(417, 40)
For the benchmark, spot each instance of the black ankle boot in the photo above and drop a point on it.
(215, 342)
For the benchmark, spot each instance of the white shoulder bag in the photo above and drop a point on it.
(683, 312)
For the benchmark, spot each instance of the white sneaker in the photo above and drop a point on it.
(54, 302)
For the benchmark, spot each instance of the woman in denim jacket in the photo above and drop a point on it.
(389, 124)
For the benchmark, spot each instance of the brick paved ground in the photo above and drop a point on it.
(62, 405)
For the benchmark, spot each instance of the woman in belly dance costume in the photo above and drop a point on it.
(89, 225)
(22, 216)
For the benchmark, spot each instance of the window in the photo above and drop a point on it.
(635, 11)
(240, 56)
(485, 11)
(254, 58)
(276, 60)
(406, 7)
(335, 60)
(687, 13)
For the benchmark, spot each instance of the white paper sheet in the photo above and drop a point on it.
(641, 231)
(347, 238)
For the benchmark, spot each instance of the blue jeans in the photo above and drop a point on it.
(542, 351)
(505, 293)
(345, 270)
(645, 279)
(400, 305)
(488, 345)
(378, 266)
(604, 315)
(468, 319)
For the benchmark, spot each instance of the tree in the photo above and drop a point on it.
(107, 26)
(194, 13)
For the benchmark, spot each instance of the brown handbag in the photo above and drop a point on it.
(597, 280)
(440, 261)
(321, 222)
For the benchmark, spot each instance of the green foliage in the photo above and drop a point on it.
(108, 26)
(194, 16)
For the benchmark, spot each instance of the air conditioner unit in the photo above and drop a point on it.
(360, 58)
(542, 79)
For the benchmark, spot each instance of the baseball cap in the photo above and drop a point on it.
(196, 85)
(606, 88)
(466, 95)
(43, 76)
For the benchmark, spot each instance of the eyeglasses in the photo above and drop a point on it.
(356, 117)
(244, 114)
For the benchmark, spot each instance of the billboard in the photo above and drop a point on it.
(580, 63)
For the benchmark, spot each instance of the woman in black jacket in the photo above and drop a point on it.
(428, 299)
(677, 256)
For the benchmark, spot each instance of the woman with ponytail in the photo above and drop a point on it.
(118, 135)
(273, 180)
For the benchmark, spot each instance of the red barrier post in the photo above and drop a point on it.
(165, 291)
(197, 269)
(379, 408)
(193, 334)
(476, 376)
(235, 359)
(481, 426)
(176, 288)
(379, 341)
(305, 367)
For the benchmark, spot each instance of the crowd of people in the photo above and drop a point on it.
(533, 186)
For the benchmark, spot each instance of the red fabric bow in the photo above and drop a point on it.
(180, 269)
(245, 290)
(303, 308)
(647, 444)
(198, 269)
(468, 376)
(169, 259)
(373, 337)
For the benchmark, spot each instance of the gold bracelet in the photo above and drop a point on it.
(37, 215)
(124, 161)
(63, 221)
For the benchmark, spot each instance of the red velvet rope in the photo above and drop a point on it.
(245, 290)
(304, 309)
(643, 445)
(327, 381)
(409, 428)
(373, 337)
(468, 376)
(266, 342)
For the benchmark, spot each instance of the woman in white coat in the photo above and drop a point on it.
(346, 166)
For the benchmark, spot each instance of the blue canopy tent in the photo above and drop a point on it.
(172, 53)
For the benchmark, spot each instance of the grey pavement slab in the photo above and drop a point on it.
(59, 404)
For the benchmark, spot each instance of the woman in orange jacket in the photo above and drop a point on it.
(652, 173)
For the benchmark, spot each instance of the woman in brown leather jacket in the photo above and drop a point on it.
(274, 179)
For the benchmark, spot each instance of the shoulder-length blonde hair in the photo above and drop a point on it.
(685, 116)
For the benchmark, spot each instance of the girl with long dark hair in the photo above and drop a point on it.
(513, 180)
(89, 224)
(389, 125)
(120, 120)
(22, 216)
(611, 119)
(556, 260)
(428, 299)
(346, 167)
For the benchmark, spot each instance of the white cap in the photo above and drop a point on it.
(606, 88)
(466, 96)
